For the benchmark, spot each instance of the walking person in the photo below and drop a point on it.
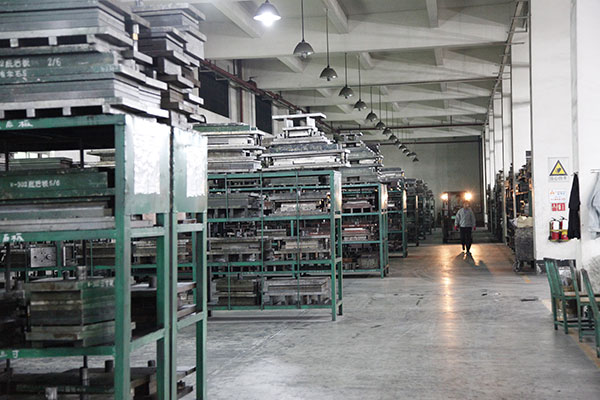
(465, 221)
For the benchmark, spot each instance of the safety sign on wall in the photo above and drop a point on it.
(557, 168)
(558, 199)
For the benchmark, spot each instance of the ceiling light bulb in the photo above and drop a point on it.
(371, 117)
(346, 92)
(360, 105)
(303, 49)
(328, 73)
(267, 14)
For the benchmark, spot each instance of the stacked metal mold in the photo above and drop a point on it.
(61, 58)
(301, 145)
(365, 162)
(176, 45)
(365, 228)
(394, 179)
(233, 148)
(412, 211)
(71, 312)
(269, 233)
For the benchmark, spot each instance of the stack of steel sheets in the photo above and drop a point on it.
(365, 163)
(233, 148)
(237, 292)
(302, 145)
(306, 290)
(68, 57)
(176, 44)
(71, 312)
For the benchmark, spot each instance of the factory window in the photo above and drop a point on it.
(215, 94)
(263, 115)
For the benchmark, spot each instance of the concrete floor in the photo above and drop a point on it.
(442, 326)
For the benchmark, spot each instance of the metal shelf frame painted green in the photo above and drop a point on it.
(263, 269)
(378, 195)
(397, 232)
(130, 197)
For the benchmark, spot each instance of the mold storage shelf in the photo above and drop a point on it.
(365, 229)
(76, 209)
(275, 241)
(412, 216)
(397, 216)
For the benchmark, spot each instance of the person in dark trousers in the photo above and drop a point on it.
(465, 221)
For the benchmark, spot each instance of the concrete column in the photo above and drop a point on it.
(585, 58)
(507, 142)
(550, 30)
(520, 99)
(498, 133)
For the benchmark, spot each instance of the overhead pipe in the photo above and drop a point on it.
(463, 125)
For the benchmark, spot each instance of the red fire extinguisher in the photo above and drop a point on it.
(558, 230)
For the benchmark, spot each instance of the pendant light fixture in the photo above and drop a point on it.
(380, 125)
(415, 159)
(303, 49)
(387, 130)
(267, 14)
(360, 104)
(328, 72)
(411, 154)
(346, 91)
(371, 117)
(393, 137)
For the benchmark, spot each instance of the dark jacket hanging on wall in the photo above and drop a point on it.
(574, 231)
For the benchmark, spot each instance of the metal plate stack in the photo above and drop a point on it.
(71, 312)
(63, 57)
(12, 317)
(98, 384)
(233, 148)
(365, 163)
(176, 44)
(303, 291)
(302, 145)
(393, 177)
(238, 292)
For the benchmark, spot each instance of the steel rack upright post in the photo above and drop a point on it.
(365, 229)
(137, 198)
(288, 225)
(189, 188)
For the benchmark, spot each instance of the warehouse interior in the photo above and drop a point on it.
(299, 199)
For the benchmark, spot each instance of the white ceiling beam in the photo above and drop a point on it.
(469, 26)
(325, 92)
(438, 54)
(432, 13)
(384, 90)
(366, 61)
(337, 16)
(346, 108)
(388, 72)
(398, 95)
(240, 17)
(295, 64)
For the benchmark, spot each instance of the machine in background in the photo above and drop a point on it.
(451, 203)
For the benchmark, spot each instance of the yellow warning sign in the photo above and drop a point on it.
(558, 169)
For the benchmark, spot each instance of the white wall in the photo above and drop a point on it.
(550, 114)
(585, 56)
(443, 166)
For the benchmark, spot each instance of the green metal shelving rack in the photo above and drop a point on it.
(379, 196)
(123, 133)
(264, 269)
(397, 218)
